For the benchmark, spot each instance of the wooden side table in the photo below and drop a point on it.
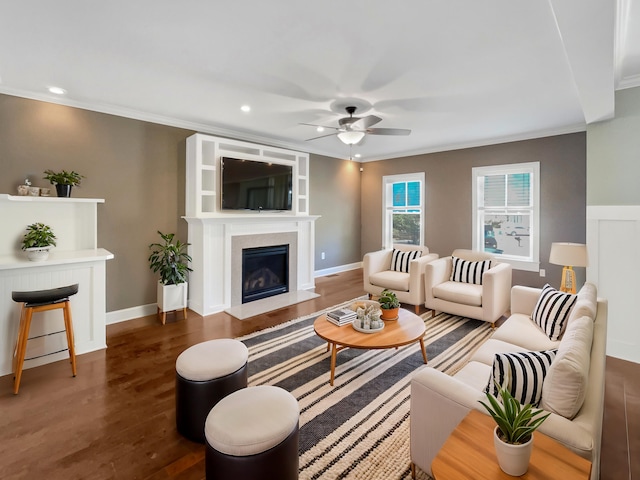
(469, 453)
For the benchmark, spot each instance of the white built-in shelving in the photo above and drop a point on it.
(202, 193)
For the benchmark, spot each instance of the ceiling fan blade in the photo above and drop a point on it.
(388, 131)
(318, 125)
(322, 136)
(365, 122)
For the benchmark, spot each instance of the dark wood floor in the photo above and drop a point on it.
(116, 420)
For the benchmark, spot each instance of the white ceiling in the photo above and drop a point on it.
(457, 73)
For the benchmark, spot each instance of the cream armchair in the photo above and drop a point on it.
(487, 302)
(408, 286)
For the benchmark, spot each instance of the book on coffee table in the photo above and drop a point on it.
(341, 316)
(340, 323)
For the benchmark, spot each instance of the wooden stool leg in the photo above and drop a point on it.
(68, 324)
(22, 349)
(184, 313)
(17, 349)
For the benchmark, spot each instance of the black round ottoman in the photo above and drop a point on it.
(253, 433)
(206, 373)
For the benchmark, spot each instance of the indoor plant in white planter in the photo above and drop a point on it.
(170, 259)
(513, 435)
(37, 241)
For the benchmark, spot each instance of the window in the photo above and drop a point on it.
(506, 200)
(403, 209)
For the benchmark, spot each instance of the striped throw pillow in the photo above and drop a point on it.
(465, 271)
(400, 260)
(522, 373)
(552, 311)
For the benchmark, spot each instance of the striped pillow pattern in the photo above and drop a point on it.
(465, 271)
(523, 374)
(400, 260)
(552, 311)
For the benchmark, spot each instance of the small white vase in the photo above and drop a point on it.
(37, 254)
(513, 459)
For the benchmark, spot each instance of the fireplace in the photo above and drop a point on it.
(265, 272)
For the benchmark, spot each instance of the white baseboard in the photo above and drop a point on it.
(338, 269)
(125, 314)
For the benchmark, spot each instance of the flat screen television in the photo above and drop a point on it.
(255, 185)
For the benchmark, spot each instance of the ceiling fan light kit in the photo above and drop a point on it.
(350, 138)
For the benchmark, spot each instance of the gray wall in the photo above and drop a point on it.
(139, 169)
(335, 195)
(613, 159)
(448, 196)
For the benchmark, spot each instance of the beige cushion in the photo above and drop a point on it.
(488, 350)
(212, 359)
(587, 304)
(474, 374)
(456, 292)
(390, 279)
(520, 330)
(251, 420)
(565, 385)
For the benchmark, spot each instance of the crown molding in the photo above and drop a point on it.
(164, 120)
(273, 142)
(487, 141)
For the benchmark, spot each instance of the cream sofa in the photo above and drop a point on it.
(486, 302)
(574, 383)
(408, 287)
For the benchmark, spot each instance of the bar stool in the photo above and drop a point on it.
(41, 301)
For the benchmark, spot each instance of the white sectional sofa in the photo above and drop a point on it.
(573, 388)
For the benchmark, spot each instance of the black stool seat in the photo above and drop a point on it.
(45, 297)
(37, 301)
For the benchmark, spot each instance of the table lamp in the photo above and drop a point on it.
(568, 255)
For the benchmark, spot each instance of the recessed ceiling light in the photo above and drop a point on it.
(357, 155)
(320, 129)
(57, 90)
(245, 108)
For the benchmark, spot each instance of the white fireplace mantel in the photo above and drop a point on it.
(217, 236)
(214, 282)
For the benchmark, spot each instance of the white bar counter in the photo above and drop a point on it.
(75, 259)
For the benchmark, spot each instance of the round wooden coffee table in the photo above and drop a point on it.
(408, 329)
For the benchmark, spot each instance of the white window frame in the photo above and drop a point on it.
(387, 204)
(533, 168)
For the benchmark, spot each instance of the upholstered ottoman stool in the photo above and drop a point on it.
(253, 433)
(206, 373)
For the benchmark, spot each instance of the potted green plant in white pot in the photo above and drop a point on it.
(37, 241)
(170, 260)
(389, 304)
(513, 435)
(63, 181)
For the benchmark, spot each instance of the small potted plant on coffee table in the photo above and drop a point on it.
(513, 435)
(170, 260)
(389, 305)
(63, 181)
(37, 241)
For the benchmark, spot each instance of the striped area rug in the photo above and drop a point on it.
(359, 428)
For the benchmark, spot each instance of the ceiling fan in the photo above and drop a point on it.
(353, 129)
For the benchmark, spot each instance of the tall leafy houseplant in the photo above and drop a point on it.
(170, 260)
(513, 435)
(37, 241)
(63, 181)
